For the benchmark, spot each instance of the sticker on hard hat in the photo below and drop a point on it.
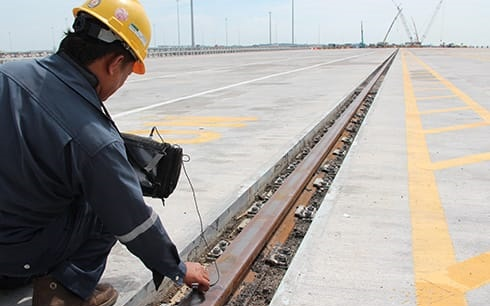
(121, 14)
(93, 3)
(138, 33)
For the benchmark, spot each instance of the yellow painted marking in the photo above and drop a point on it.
(472, 273)
(461, 161)
(434, 294)
(446, 287)
(432, 245)
(439, 279)
(196, 136)
(456, 128)
(193, 136)
(445, 110)
(480, 110)
(435, 98)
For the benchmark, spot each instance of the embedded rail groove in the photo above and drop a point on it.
(235, 262)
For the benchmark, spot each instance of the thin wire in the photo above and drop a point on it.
(199, 215)
(185, 159)
(155, 130)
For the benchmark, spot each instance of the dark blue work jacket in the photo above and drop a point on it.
(57, 149)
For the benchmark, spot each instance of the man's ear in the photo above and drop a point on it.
(114, 63)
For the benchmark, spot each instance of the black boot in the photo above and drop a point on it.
(49, 292)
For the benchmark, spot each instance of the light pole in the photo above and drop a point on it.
(192, 24)
(226, 32)
(178, 24)
(270, 29)
(292, 22)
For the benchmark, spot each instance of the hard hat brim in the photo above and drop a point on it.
(139, 67)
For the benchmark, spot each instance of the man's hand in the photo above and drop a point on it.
(197, 274)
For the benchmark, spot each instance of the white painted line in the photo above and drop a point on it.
(141, 109)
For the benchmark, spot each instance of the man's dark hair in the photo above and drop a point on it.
(84, 49)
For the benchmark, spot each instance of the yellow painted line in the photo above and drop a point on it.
(432, 246)
(193, 137)
(445, 110)
(439, 279)
(197, 136)
(472, 273)
(458, 279)
(456, 128)
(435, 98)
(480, 110)
(461, 161)
(431, 293)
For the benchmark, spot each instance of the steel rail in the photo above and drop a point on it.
(238, 257)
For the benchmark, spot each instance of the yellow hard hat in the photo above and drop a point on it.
(128, 20)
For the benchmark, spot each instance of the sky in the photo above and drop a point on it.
(40, 24)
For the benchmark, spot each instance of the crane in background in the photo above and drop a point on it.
(391, 26)
(431, 21)
(404, 21)
(417, 41)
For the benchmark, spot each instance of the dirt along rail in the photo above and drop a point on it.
(250, 260)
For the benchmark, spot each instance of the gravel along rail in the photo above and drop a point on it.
(249, 260)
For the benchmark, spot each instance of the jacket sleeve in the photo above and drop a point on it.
(112, 189)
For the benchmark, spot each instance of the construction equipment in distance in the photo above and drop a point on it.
(417, 42)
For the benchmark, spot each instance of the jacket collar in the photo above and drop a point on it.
(76, 77)
(91, 78)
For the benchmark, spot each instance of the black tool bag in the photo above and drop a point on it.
(157, 164)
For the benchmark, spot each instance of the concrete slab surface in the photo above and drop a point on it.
(406, 219)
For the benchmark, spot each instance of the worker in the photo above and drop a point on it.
(67, 190)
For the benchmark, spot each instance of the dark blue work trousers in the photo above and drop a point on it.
(78, 246)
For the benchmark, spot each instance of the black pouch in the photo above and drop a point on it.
(157, 164)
